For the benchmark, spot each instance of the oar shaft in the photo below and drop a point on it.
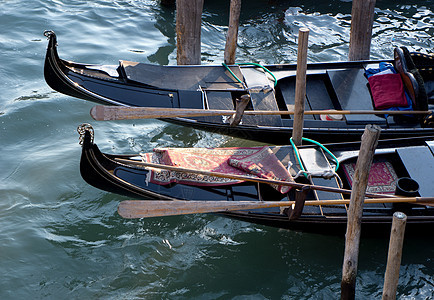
(244, 178)
(131, 209)
(109, 113)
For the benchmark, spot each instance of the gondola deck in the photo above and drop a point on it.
(124, 175)
(338, 85)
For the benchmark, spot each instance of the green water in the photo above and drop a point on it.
(60, 238)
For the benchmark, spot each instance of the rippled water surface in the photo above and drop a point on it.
(60, 238)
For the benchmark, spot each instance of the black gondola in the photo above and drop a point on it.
(405, 158)
(335, 85)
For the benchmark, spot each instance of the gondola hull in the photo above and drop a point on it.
(123, 174)
(335, 85)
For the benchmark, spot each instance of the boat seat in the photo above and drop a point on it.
(317, 96)
(287, 88)
(256, 78)
(419, 163)
(352, 92)
(314, 160)
(263, 99)
(182, 77)
(217, 100)
(189, 99)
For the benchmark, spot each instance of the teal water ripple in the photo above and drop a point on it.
(61, 238)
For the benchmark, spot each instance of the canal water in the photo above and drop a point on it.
(62, 239)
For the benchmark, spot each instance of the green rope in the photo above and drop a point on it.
(297, 155)
(263, 68)
(251, 64)
(232, 73)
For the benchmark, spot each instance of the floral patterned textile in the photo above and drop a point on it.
(264, 165)
(253, 162)
(382, 177)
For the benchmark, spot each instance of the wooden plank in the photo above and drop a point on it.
(154, 208)
(263, 100)
(352, 92)
(262, 97)
(315, 161)
(256, 78)
(317, 95)
(183, 78)
(287, 88)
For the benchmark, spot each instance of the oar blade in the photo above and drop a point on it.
(132, 209)
(135, 209)
(110, 113)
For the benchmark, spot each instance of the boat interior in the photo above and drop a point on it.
(328, 86)
(414, 163)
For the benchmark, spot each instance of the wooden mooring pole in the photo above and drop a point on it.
(300, 86)
(232, 37)
(352, 237)
(188, 27)
(362, 20)
(394, 256)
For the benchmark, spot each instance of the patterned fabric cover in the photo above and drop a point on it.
(382, 177)
(253, 162)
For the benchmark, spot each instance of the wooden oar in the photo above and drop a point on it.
(131, 209)
(109, 113)
(246, 178)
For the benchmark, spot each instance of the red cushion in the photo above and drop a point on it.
(387, 91)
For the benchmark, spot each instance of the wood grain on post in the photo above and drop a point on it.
(391, 276)
(362, 20)
(300, 86)
(232, 37)
(188, 27)
(355, 211)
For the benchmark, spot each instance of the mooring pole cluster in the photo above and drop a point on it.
(188, 26)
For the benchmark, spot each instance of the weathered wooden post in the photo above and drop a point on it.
(300, 86)
(362, 20)
(188, 26)
(391, 276)
(352, 237)
(232, 37)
